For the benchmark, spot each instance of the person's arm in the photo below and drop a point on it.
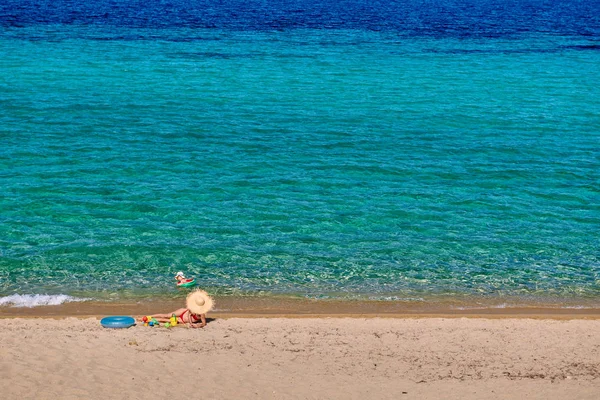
(202, 319)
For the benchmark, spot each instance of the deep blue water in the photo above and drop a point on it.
(391, 150)
(445, 18)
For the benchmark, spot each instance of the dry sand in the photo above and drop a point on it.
(303, 358)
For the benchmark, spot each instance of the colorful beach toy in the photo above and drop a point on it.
(116, 322)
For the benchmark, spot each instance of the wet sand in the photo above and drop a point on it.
(247, 307)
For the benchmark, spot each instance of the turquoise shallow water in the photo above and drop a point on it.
(322, 163)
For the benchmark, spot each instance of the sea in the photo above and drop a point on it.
(414, 151)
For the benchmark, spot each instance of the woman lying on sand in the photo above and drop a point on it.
(198, 303)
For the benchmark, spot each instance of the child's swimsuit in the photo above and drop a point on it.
(191, 316)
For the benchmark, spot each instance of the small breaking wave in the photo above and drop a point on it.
(517, 305)
(36, 300)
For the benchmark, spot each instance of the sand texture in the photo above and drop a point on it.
(303, 358)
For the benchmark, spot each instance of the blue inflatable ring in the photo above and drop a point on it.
(117, 322)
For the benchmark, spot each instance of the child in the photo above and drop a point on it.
(198, 303)
(182, 281)
(180, 277)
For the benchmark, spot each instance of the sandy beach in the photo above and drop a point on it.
(303, 358)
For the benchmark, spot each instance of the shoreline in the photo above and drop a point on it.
(238, 307)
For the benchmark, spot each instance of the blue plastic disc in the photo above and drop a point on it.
(117, 322)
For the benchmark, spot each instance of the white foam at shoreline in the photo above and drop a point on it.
(506, 306)
(36, 300)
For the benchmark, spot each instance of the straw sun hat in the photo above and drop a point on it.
(199, 302)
